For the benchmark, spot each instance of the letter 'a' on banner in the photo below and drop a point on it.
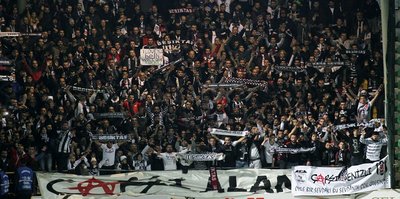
(330, 181)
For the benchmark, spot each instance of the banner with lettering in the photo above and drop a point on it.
(151, 57)
(237, 183)
(291, 150)
(110, 137)
(202, 157)
(324, 181)
(227, 132)
(180, 10)
(175, 46)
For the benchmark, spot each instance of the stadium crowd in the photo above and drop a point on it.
(286, 73)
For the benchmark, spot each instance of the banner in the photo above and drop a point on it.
(6, 78)
(289, 69)
(17, 34)
(117, 115)
(202, 157)
(228, 133)
(219, 85)
(87, 90)
(151, 57)
(175, 45)
(358, 52)
(291, 150)
(237, 183)
(324, 64)
(323, 181)
(164, 67)
(252, 82)
(110, 137)
(6, 62)
(370, 124)
(180, 10)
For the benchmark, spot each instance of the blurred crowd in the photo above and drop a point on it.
(284, 72)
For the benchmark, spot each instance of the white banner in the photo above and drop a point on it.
(151, 57)
(228, 133)
(238, 184)
(322, 181)
(202, 157)
(111, 137)
(180, 10)
(291, 150)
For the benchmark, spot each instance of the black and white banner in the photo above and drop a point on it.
(18, 34)
(202, 157)
(220, 85)
(110, 137)
(175, 46)
(324, 64)
(358, 52)
(6, 62)
(118, 115)
(289, 69)
(87, 90)
(180, 10)
(328, 181)
(236, 183)
(228, 133)
(291, 150)
(164, 67)
(251, 82)
(6, 78)
(370, 124)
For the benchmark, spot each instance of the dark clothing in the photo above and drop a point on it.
(230, 158)
(293, 158)
(343, 158)
(329, 156)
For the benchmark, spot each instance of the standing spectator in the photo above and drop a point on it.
(140, 164)
(64, 147)
(123, 164)
(315, 156)
(169, 158)
(329, 155)
(229, 151)
(25, 181)
(4, 185)
(356, 147)
(94, 167)
(269, 145)
(373, 145)
(4, 161)
(109, 150)
(343, 155)
(364, 107)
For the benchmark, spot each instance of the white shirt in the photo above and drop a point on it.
(169, 160)
(268, 153)
(254, 154)
(373, 148)
(108, 155)
(363, 111)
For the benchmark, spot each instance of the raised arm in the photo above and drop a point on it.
(376, 95)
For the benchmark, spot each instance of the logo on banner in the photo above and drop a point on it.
(381, 167)
(300, 176)
(86, 186)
